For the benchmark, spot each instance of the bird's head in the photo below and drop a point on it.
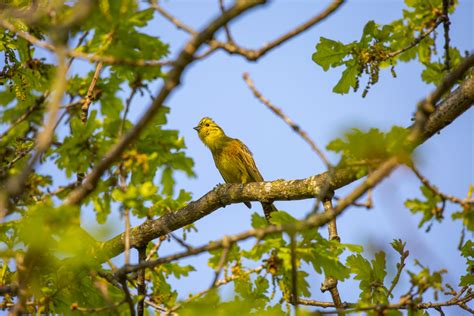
(209, 132)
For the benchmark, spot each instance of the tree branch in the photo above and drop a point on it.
(398, 306)
(86, 102)
(463, 202)
(254, 54)
(75, 53)
(226, 27)
(330, 283)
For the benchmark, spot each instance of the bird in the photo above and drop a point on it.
(232, 158)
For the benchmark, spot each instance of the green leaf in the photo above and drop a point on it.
(258, 221)
(399, 246)
(368, 32)
(102, 207)
(378, 265)
(329, 53)
(466, 215)
(282, 217)
(360, 266)
(167, 181)
(233, 254)
(371, 276)
(348, 80)
(467, 251)
(433, 73)
(428, 208)
(147, 190)
(141, 18)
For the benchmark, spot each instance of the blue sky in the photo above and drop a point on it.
(292, 81)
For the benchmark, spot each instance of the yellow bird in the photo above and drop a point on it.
(232, 158)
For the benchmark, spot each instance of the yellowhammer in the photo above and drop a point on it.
(232, 158)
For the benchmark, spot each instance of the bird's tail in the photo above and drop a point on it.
(268, 208)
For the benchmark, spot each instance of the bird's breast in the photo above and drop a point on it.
(228, 163)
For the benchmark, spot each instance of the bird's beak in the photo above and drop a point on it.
(197, 128)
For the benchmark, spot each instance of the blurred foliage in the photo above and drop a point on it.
(363, 151)
(43, 248)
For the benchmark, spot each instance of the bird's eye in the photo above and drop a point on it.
(207, 124)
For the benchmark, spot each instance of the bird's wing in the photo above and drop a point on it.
(245, 155)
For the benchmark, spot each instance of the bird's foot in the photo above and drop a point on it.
(218, 185)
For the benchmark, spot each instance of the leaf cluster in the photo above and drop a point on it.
(383, 46)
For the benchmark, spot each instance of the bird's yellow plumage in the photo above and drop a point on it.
(232, 158)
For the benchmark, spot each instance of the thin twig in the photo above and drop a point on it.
(141, 284)
(181, 242)
(332, 226)
(156, 306)
(128, 296)
(296, 128)
(96, 309)
(417, 40)
(79, 43)
(294, 273)
(434, 189)
(172, 19)
(127, 235)
(154, 249)
(400, 267)
(466, 308)
(226, 27)
(123, 187)
(368, 204)
(20, 155)
(222, 261)
(330, 283)
(127, 108)
(446, 23)
(86, 102)
(303, 301)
